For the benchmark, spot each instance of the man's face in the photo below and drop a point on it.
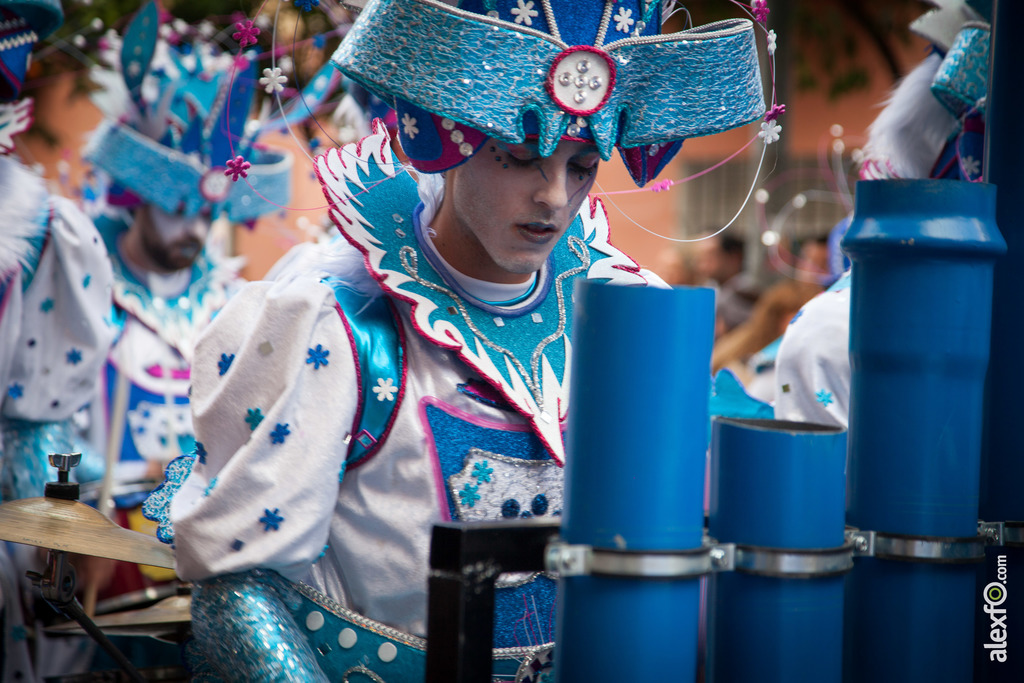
(172, 241)
(506, 208)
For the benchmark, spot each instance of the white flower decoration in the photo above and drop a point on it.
(385, 389)
(409, 126)
(524, 13)
(771, 42)
(770, 132)
(972, 166)
(273, 81)
(623, 20)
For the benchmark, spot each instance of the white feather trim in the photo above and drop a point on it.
(911, 130)
(23, 199)
(334, 258)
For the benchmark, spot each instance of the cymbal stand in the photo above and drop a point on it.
(57, 586)
(57, 582)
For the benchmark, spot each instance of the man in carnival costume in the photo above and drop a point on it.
(426, 364)
(931, 127)
(54, 298)
(177, 109)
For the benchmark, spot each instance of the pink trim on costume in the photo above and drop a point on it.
(596, 201)
(157, 371)
(435, 461)
(550, 86)
(359, 379)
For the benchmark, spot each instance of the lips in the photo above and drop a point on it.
(539, 233)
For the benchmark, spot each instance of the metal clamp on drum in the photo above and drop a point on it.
(564, 559)
(791, 563)
(1013, 533)
(932, 549)
(994, 533)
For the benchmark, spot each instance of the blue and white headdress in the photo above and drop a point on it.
(933, 124)
(595, 71)
(178, 132)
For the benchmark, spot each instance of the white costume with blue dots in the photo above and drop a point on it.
(54, 334)
(277, 385)
(55, 284)
(812, 370)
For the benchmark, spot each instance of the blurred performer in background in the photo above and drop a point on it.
(426, 363)
(176, 115)
(55, 284)
(931, 127)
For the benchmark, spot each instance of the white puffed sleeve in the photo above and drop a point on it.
(62, 320)
(812, 371)
(274, 394)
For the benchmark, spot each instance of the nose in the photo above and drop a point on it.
(197, 227)
(552, 189)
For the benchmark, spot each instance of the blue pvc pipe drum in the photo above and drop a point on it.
(923, 254)
(634, 479)
(779, 485)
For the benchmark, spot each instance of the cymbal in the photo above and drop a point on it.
(144, 597)
(77, 528)
(169, 619)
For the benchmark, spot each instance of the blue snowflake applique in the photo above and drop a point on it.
(482, 472)
(797, 316)
(201, 452)
(15, 391)
(271, 520)
(47, 305)
(225, 362)
(86, 280)
(824, 397)
(254, 416)
(307, 5)
(280, 433)
(74, 356)
(469, 495)
(318, 356)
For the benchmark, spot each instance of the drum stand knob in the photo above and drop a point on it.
(63, 488)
